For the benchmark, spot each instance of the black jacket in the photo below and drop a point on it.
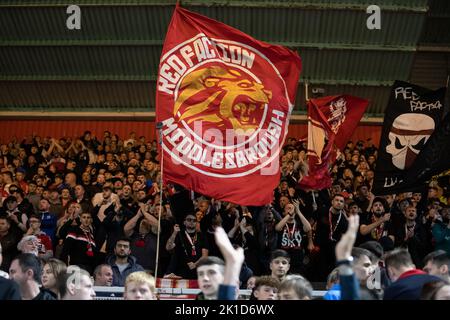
(9, 290)
(44, 295)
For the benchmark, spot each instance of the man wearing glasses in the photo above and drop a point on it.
(44, 244)
(187, 247)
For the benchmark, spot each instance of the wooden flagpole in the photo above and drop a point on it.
(159, 127)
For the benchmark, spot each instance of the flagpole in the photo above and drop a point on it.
(307, 93)
(159, 128)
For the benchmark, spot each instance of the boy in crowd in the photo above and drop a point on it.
(266, 288)
(139, 286)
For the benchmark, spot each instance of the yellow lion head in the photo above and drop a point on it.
(221, 96)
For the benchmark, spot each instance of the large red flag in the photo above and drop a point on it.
(331, 122)
(223, 100)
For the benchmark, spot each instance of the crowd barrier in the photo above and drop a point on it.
(116, 293)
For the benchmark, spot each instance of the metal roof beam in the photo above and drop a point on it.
(75, 78)
(430, 48)
(306, 5)
(152, 78)
(101, 43)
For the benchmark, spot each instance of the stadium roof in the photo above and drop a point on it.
(110, 65)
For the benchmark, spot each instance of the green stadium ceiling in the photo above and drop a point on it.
(111, 64)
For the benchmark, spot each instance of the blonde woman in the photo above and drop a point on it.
(53, 268)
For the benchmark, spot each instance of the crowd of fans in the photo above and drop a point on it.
(94, 202)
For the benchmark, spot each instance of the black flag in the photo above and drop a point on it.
(412, 115)
(434, 158)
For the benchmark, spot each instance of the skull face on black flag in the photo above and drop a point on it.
(412, 115)
(408, 135)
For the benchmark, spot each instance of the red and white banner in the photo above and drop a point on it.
(166, 287)
(331, 122)
(223, 100)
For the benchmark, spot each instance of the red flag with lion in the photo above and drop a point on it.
(223, 102)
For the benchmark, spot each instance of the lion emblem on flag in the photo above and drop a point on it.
(224, 97)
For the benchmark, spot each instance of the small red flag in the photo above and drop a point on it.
(331, 122)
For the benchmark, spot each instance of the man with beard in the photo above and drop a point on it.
(143, 240)
(375, 224)
(331, 225)
(122, 262)
(410, 235)
(187, 246)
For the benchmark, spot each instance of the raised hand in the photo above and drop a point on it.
(231, 255)
(345, 245)
(386, 217)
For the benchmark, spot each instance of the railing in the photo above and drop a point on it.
(116, 293)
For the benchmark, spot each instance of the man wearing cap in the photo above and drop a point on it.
(375, 223)
(16, 218)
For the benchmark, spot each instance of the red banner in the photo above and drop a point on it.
(223, 101)
(331, 122)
